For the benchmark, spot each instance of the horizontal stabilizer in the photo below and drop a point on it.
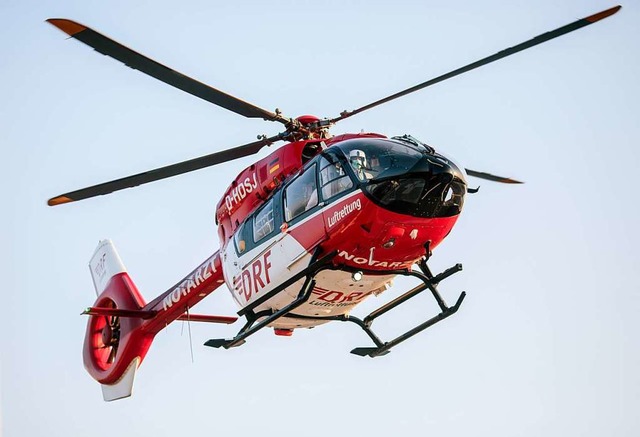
(227, 320)
(143, 314)
(116, 312)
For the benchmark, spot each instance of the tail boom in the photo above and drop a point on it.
(175, 302)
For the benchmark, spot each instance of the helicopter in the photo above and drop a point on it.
(306, 233)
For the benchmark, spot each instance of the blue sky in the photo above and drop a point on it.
(546, 341)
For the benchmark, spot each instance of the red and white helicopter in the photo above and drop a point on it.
(306, 233)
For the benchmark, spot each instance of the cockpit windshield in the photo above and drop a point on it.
(373, 158)
(406, 178)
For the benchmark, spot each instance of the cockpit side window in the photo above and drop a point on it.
(301, 195)
(333, 179)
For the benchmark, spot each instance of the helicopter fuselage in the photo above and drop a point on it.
(306, 233)
(379, 204)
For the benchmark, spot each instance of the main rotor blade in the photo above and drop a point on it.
(164, 172)
(137, 61)
(491, 177)
(503, 54)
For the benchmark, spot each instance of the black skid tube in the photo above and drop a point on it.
(266, 317)
(429, 281)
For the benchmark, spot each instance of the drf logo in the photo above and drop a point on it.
(331, 298)
(254, 278)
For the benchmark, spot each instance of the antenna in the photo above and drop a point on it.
(190, 339)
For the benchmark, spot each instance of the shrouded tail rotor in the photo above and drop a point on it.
(114, 346)
(104, 336)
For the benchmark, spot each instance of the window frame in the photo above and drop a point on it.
(313, 169)
(254, 219)
(333, 160)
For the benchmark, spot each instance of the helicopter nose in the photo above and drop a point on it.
(433, 187)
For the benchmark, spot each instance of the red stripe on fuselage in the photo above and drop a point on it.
(309, 232)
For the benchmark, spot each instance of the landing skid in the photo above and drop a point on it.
(429, 281)
(315, 266)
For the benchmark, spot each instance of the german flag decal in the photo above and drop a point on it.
(274, 166)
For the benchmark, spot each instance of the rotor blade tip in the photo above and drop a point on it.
(67, 26)
(604, 14)
(58, 200)
(509, 181)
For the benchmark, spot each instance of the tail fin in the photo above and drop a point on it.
(104, 265)
(114, 347)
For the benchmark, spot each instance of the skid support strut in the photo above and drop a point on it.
(268, 316)
(429, 281)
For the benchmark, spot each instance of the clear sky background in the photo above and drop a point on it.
(546, 342)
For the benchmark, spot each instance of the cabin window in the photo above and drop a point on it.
(301, 195)
(263, 222)
(333, 179)
(238, 239)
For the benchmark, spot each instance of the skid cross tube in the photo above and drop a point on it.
(378, 351)
(342, 318)
(430, 283)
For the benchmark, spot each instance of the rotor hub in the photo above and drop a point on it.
(307, 119)
(107, 335)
